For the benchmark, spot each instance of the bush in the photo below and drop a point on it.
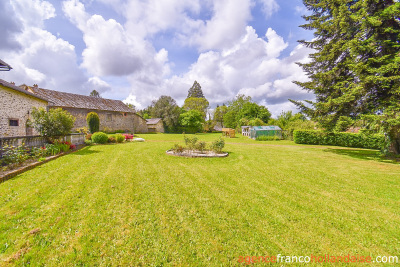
(201, 146)
(93, 122)
(55, 122)
(128, 136)
(268, 138)
(178, 148)
(375, 141)
(190, 142)
(111, 139)
(217, 145)
(99, 138)
(119, 138)
(88, 137)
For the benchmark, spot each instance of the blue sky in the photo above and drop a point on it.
(138, 50)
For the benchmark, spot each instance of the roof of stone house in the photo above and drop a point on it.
(69, 100)
(152, 121)
(4, 66)
(16, 88)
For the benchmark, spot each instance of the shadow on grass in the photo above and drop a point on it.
(363, 154)
(85, 151)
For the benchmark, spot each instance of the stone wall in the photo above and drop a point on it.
(156, 128)
(140, 124)
(110, 120)
(17, 106)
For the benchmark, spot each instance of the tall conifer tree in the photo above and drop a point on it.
(356, 65)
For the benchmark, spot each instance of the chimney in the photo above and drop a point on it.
(13, 83)
(35, 85)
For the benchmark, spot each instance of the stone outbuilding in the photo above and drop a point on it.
(114, 114)
(16, 106)
(155, 125)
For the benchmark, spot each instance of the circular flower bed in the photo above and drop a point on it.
(197, 154)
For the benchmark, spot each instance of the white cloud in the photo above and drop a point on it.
(269, 7)
(252, 66)
(33, 12)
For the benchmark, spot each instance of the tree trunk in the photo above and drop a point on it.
(395, 140)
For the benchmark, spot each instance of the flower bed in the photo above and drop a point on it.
(195, 149)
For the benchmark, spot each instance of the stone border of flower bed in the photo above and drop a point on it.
(33, 165)
(197, 154)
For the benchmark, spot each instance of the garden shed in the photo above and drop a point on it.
(257, 131)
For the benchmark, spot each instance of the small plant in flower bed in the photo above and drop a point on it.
(128, 137)
(192, 145)
(14, 154)
(111, 139)
(119, 138)
(88, 136)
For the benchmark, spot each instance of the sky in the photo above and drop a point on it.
(138, 50)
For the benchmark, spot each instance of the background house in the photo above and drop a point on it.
(4, 66)
(114, 114)
(155, 125)
(16, 106)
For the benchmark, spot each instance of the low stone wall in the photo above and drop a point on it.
(38, 141)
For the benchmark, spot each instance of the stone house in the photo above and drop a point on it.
(114, 114)
(155, 125)
(16, 105)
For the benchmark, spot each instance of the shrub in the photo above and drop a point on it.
(55, 122)
(88, 137)
(53, 149)
(128, 136)
(93, 122)
(190, 142)
(111, 139)
(268, 138)
(375, 141)
(119, 138)
(178, 148)
(39, 152)
(217, 145)
(201, 146)
(83, 130)
(99, 138)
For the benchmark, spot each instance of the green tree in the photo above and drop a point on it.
(93, 121)
(191, 121)
(166, 109)
(195, 91)
(55, 122)
(195, 103)
(219, 113)
(94, 93)
(355, 68)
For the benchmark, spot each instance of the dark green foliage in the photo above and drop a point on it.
(93, 122)
(166, 109)
(94, 93)
(376, 141)
(55, 122)
(99, 138)
(343, 124)
(195, 91)
(191, 121)
(356, 65)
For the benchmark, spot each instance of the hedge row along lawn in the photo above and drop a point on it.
(131, 204)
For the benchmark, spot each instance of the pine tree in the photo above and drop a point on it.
(356, 65)
(195, 91)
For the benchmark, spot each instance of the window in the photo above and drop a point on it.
(125, 114)
(109, 117)
(13, 122)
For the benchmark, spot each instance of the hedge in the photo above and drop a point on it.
(312, 137)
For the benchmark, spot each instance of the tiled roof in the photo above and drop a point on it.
(4, 65)
(68, 100)
(152, 121)
(16, 88)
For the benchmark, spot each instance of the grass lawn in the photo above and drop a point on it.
(131, 204)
